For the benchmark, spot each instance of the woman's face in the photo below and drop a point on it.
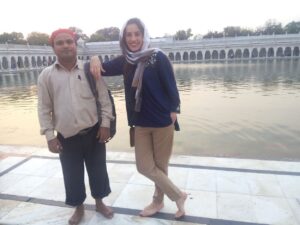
(133, 37)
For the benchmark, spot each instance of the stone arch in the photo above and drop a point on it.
(207, 55)
(33, 62)
(26, 62)
(296, 51)
(20, 62)
(178, 56)
(230, 54)
(288, 52)
(222, 54)
(50, 61)
(5, 63)
(171, 56)
(246, 53)
(270, 52)
(39, 61)
(215, 54)
(262, 53)
(199, 55)
(106, 58)
(112, 57)
(254, 53)
(185, 56)
(192, 55)
(238, 54)
(279, 52)
(13, 63)
(45, 62)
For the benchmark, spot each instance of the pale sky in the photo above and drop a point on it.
(160, 16)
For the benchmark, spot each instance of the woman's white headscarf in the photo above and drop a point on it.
(140, 58)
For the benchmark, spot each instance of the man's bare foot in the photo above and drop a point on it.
(180, 205)
(151, 209)
(103, 209)
(77, 215)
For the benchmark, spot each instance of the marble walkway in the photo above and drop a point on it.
(221, 191)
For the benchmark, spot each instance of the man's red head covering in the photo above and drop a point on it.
(59, 31)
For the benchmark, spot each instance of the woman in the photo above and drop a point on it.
(152, 102)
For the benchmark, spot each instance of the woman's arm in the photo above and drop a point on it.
(109, 68)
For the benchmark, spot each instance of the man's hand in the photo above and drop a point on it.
(54, 146)
(103, 134)
(96, 67)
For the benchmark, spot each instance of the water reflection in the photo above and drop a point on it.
(241, 109)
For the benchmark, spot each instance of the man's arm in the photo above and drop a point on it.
(45, 111)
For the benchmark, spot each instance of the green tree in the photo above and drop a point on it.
(183, 35)
(106, 34)
(79, 33)
(12, 38)
(292, 27)
(272, 27)
(35, 38)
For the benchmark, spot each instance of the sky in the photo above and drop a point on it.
(160, 16)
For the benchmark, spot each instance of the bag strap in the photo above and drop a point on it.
(94, 90)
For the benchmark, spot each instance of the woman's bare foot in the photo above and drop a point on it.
(103, 209)
(77, 215)
(180, 205)
(152, 209)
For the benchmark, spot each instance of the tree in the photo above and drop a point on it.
(79, 33)
(35, 38)
(292, 27)
(183, 35)
(272, 27)
(106, 34)
(12, 38)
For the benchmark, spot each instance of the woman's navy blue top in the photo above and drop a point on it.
(159, 93)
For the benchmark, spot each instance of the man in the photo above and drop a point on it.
(66, 105)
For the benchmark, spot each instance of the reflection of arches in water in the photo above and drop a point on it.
(22, 79)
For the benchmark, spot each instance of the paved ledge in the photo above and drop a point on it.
(222, 191)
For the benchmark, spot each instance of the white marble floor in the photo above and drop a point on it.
(221, 190)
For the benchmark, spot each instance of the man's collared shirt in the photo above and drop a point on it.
(66, 103)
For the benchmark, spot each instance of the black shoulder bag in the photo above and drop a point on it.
(93, 87)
